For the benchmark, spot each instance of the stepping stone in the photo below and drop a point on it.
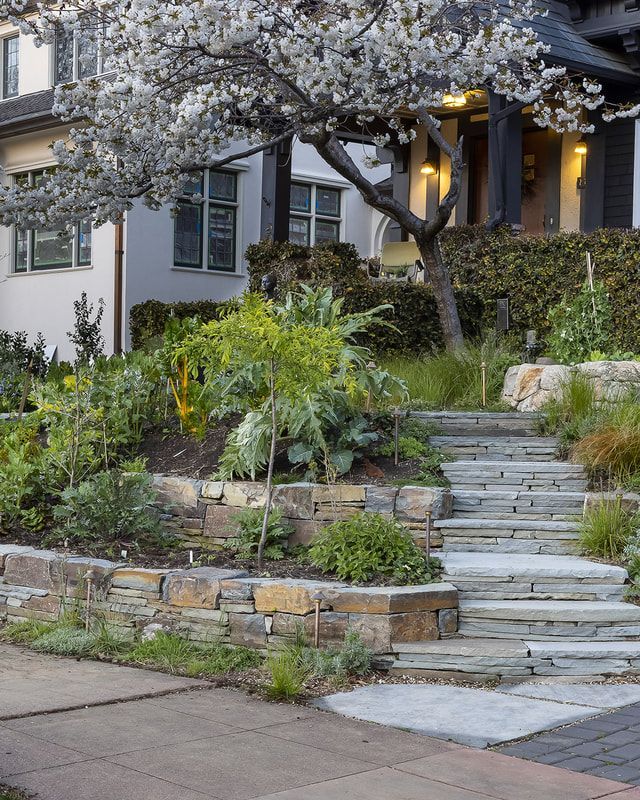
(468, 716)
(583, 694)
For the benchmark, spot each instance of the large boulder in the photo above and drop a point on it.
(527, 387)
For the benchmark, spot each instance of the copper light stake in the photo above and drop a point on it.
(396, 436)
(428, 513)
(89, 577)
(483, 367)
(317, 598)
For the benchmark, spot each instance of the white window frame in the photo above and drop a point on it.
(3, 41)
(312, 215)
(75, 249)
(205, 204)
(75, 63)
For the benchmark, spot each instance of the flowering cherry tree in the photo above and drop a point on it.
(189, 79)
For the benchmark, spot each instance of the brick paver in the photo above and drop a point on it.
(607, 746)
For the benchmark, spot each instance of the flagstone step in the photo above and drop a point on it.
(521, 505)
(497, 448)
(516, 658)
(484, 423)
(499, 576)
(504, 476)
(513, 535)
(549, 619)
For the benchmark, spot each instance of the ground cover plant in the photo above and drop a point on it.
(369, 545)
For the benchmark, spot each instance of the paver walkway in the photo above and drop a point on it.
(607, 746)
(216, 744)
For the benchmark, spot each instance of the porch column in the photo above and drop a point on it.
(505, 161)
(276, 192)
(401, 178)
(592, 195)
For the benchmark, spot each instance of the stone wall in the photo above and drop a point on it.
(217, 605)
(201, 513)
(527, 387)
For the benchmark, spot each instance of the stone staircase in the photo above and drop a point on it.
(529, 604)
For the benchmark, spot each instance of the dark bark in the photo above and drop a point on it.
(437, 275)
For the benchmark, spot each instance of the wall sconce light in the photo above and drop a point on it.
(454, 100)
(428, 167)
(581, 147)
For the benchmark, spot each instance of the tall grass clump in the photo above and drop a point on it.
(574, 412)
(612, 446)
(449, 380)
(288, 674)
(607, 529)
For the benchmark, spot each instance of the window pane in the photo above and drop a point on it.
(328, 201)
(51, 250)
(222, 186)
(10, 66)
(194, 184)
(222, 236)
(64, 58)
(84, 244)
(21, 250)
(327, 231)
(187, 247)
(299, 230)
(300, 197)
(87, 55)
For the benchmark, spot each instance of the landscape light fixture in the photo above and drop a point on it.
(428, 167)
(581, 147)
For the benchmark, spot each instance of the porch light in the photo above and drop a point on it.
(581, 147)
(454, 100)
(428, 167)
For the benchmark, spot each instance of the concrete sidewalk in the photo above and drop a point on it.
(199, 743)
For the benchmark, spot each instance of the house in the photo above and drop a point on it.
(515, 173)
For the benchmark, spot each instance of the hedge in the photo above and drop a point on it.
(533, 272)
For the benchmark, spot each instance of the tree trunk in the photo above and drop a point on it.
(272, 458)
(437, 275)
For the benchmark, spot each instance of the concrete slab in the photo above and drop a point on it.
(468, 716)
(582, 694)
(19, 752)
(32, 683)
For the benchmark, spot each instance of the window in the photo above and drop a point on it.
(314, 214)
(205, 227)
(36, 250)
(75, 57)
(10, 66)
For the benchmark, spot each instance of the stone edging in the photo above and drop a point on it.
(217, 605)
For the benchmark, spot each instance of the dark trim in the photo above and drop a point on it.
(276, 192)
(553, 183)
(592, 200)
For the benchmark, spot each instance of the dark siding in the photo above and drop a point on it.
(618, 174)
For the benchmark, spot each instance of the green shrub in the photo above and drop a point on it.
(16, 357)
(288, 675)
(65, 641)
(148, 320)
(249, 523)
(408, 447)
(607, 529)
(581, 324)
(21, 465)
(108, 507)
(369, 545)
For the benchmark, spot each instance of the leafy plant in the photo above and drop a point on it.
(65, 641)
(249, 524)
(581, 325)
(607, 529)
(19, 362)
(408, 447)
(87, 332)
(288, 675)
(108, 507)
(369, 545)
(21, 463)
(352, 658)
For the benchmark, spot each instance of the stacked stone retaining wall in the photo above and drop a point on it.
(208, 604)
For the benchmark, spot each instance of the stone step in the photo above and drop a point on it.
(499, 576)
(513, 535)
(497, 448)
(505, 476)
(517, 658)
(524, 504)
(549, 619)
(485, 423)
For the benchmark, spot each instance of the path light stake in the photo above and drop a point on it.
(483, 367)
(317, 598)
(370, 366)
(427, 515)
(396, 436)
(89, 577)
